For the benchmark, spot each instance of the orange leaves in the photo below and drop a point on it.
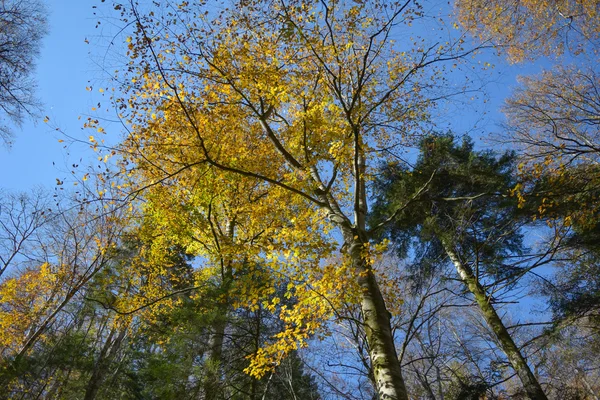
(534, 27)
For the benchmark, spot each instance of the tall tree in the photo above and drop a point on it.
(298, 96)
(467, 214)
(212, 221)
(554, 119)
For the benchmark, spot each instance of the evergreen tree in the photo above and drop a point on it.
(464, 211)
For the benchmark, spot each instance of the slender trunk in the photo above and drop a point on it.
(438, 376)
(376, 320)
(264, 396)
(516, 359)
(51, 393)
(587, 384)
(257, 333)
(107, 354)
(212, 386)
(212, 380)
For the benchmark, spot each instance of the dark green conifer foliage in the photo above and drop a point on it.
(466, 201)
(464, 212)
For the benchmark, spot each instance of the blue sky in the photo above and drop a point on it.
(66, 67)
(63, 71)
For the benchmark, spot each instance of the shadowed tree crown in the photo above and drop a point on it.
(465, 199)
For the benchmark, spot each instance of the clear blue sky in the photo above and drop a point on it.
(63, 70)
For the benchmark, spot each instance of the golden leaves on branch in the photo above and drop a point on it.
(246, 137)
(527, 29)
(24, 299)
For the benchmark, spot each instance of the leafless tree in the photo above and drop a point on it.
(555, 116)
(22, 216)
(23, 24)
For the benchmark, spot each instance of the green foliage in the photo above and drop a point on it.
(464, 199)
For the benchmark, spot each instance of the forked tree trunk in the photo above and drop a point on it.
(516, 359)
(376, 318)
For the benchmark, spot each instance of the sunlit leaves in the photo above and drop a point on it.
(529, 28)
(253, 131)
(25, 299)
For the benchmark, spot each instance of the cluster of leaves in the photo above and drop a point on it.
(464, 200)
(257, 136)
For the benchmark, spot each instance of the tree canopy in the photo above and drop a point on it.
(281, 219)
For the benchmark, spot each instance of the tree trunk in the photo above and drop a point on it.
(212, 382)
(587, 385)
(107, 354)
(257, 333)
(376, 320)
(212, 386)
(516, 359)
